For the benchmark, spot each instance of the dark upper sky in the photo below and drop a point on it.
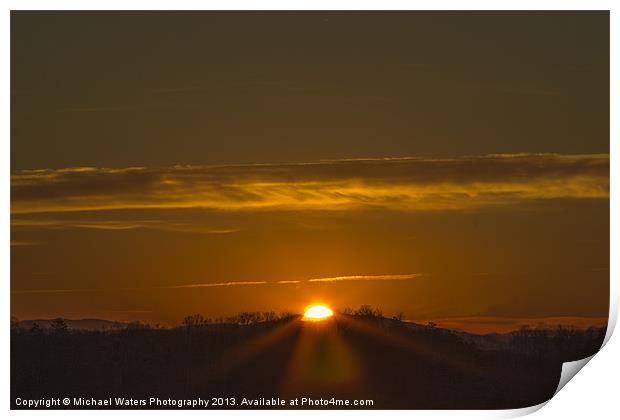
(120, 89)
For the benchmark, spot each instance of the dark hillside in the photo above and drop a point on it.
(396, 365)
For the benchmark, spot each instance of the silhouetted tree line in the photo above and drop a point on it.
(197, 321)
(367, 311)
(364, 311)
(194, 321)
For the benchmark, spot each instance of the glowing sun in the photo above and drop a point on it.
(317, 313)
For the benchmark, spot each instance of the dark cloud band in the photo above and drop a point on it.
(407, 184)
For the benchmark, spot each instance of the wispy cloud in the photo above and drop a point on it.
(54, 291)
(133, 289)
(225, 284)
(23, 243)
(406, 184)
(382, 277)
(96, 109)
(166, 225)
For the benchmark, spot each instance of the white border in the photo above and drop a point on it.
(593, 394)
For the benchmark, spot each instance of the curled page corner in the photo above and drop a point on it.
(520, 412)
(570, 369)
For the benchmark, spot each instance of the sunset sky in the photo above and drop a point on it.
(446, 165)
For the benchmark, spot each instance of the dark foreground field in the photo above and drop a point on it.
(397, 365)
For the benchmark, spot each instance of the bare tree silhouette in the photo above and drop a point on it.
(368, 311)
(59, 326)
(195, 321)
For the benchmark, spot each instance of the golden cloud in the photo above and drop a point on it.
(406, 184)
(381, 277)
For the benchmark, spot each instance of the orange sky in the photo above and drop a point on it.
(443, 165)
